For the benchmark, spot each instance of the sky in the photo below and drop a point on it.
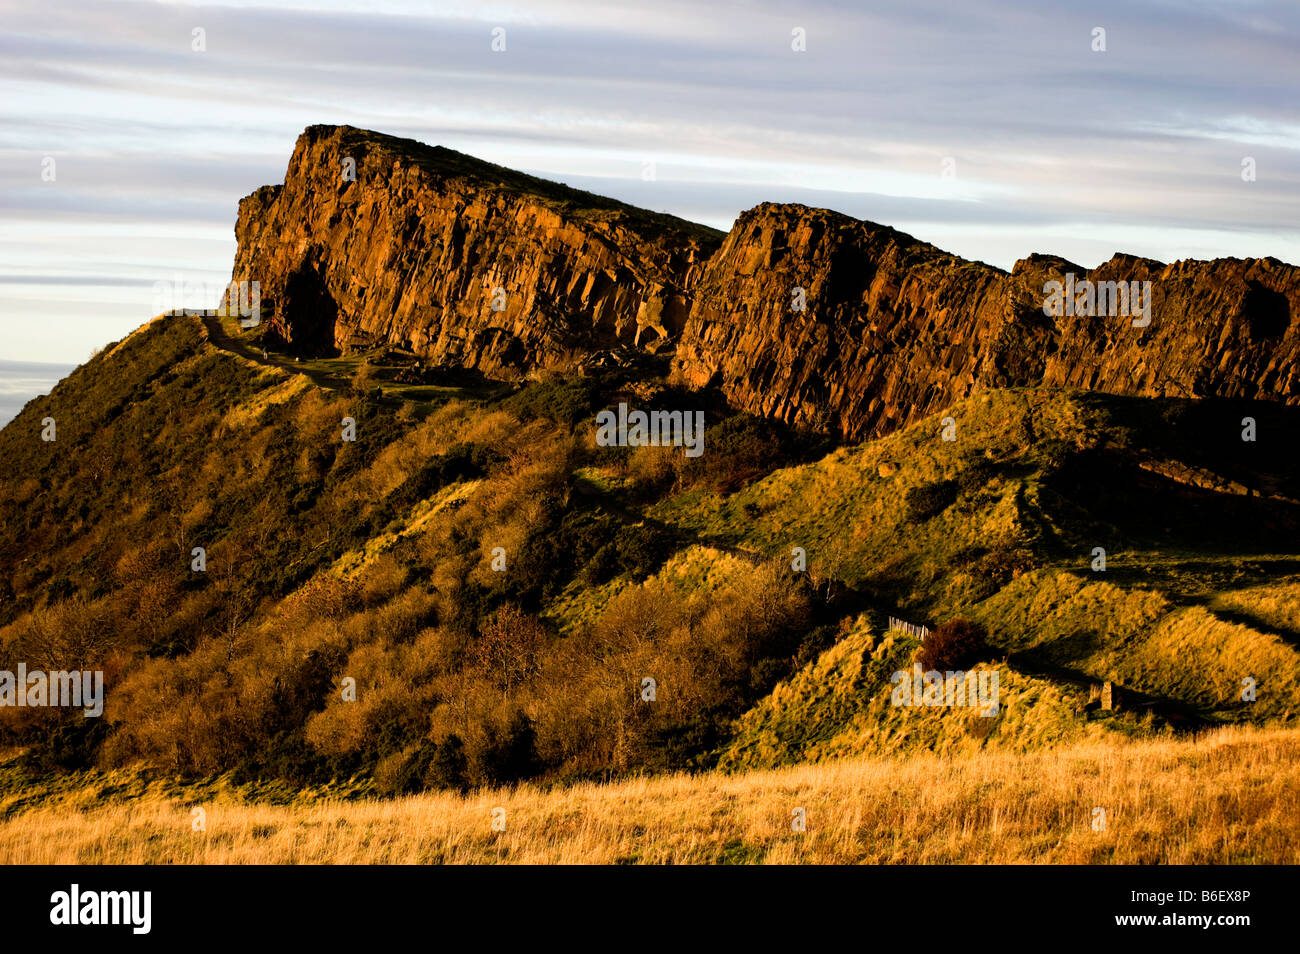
(991, 128)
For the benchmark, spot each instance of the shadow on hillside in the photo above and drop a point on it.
(1115, 498)
(1178, 715)
(1287, 635)
(1188, 582)
(1060, 654)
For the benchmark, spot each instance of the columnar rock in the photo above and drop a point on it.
(892, 329)
(375, 239)
(805, 315)
(888, 325)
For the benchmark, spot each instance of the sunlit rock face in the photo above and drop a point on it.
(805, 315)
(373, 239)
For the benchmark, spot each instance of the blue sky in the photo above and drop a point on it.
(1054, 147)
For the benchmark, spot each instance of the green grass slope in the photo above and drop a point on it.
(497, 590)
(1198, 593)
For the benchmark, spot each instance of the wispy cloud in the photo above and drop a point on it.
(1055, 147)
(20, 381)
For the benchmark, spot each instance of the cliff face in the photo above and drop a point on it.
(467, 263)
(894, 329)
(889, 325)
(477, 266)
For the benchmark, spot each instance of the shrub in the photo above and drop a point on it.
(415, 769)
(565, 542)
(562, 401)
(509, 648)
(956, 644)
(364, 380)
(978, 473)
(738, 450)
(447, 768)
(638, 550)
(68, 743)
(510, 755)
(1003, 564)
(652, 469)
(929, 500)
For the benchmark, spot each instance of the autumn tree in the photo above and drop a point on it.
(509, 648)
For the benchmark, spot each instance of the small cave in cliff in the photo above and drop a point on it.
(1266, 313)
(308, 312)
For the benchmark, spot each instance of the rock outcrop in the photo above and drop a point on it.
(373, 239)
(805, 315)
(894, 329)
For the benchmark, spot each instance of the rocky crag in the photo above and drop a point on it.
(805, 315)
(373, 239)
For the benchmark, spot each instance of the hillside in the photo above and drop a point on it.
(328, 559)
(375, 542)
(373, 561)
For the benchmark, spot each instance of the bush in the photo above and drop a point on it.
(929, 500)
(510, 756)
(1003, 564)
(954, 645)
(738, 450)
(562, 401)
(975, 477)
(638, 550)
(69, 743)
(509, 648)
(448, 765)
(364, 380)
(288, 755)
(416, 768)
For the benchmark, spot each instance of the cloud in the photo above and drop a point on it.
(1051, 142)
(20, 381)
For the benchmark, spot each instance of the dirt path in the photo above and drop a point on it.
(221, 338)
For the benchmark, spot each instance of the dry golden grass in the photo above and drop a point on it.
(1232, 796)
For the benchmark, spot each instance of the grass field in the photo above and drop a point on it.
(1231, 796)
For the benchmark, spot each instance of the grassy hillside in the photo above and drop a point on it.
(472, 593)
(1229, 797)
(840, 705)
(371, 560)
(999, 525)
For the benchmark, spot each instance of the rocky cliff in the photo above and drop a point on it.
(801, 314)
(893, 329)
(376, 239)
